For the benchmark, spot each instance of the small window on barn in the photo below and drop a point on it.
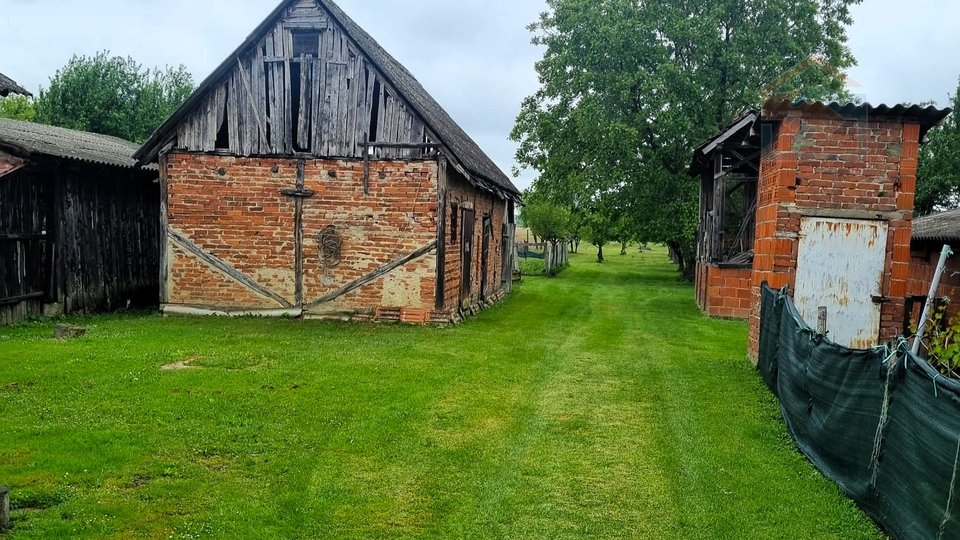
(306, 43)
(454, 210)
(223, 133)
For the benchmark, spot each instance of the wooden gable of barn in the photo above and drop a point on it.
(300, 86)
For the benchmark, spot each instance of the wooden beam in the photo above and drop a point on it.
(187, 245)
(742, 156)
(404, 146)
(202, 311)
(164, 230)
(441, 233)
(366, 168)
(298, 234)
(19, 237)
(737, 165)
(376, 274)
(17, 299)
(836, 213)
(253, 102)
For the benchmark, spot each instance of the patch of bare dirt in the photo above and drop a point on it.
(183, 365)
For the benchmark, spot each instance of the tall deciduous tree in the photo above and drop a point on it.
(938, 177)
(113, 95)
(548, 221)
(631, 87)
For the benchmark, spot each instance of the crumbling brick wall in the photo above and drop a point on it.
(461, 195)
(816, 163)
(233, 209)
(724, 292)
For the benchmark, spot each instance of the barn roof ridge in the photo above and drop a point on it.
(9, 86)
(463, 148)
(66, 143)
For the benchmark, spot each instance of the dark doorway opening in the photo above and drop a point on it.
(466, 260)
(485, 256)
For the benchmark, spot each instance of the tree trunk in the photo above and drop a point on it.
(684, 265)
(600, 254)
(623, 248)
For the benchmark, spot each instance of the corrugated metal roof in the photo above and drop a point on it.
(944, 226)
(9, 86)
(927, 117)
(66, 143)
(451, 135)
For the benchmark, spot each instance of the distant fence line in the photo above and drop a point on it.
(555, 255)
(882, 423)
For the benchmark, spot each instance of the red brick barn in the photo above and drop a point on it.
(312, 175)
(818, 198)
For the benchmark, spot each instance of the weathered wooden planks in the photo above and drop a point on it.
(80, 235)
(305, 97)
(340, 100)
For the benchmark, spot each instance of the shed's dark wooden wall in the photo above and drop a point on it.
(91, 237)
(278, 103)
(23, 248)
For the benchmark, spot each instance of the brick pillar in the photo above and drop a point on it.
(821, 164)
(775, 258)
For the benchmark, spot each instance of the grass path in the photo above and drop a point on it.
(600, 404)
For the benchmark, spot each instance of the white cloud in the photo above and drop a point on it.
(474, 56)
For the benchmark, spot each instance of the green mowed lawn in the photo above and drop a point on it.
(598, 404)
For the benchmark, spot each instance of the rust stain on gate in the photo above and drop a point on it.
(840, 266)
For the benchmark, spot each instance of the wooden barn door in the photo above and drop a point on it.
(485, 256)
(466, 260)
(23, 247)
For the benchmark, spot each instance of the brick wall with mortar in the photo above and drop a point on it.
(724, 292)
(923, 264)
(834, 164)
(241, 217)
(459, 195)
(396, 218)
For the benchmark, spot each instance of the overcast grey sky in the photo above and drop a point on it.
(474, 56)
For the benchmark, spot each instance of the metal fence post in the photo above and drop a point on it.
(931, 298)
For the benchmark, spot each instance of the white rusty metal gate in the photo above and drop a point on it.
(840, 265)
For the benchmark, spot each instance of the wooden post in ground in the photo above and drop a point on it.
(4, 508)
(546, 259)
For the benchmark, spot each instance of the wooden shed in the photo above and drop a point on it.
(79, 223)
(312, 175)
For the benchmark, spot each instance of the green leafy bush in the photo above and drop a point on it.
(943, 343)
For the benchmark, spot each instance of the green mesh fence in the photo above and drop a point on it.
(881, 423)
